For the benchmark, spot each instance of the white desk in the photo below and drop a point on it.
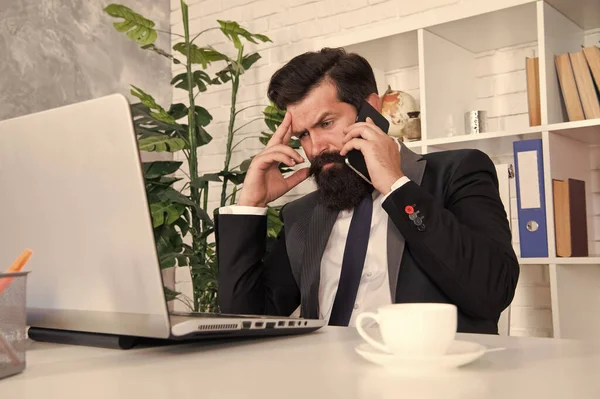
(318, 365)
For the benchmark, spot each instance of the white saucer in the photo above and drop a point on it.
(459, 354)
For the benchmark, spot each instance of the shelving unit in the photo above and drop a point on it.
(449, 56)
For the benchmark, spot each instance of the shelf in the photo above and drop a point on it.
(586, 131)
(493, 143)
(481, 136)
(497, 29)
(389, 53)
(585, 13)
(592, 260)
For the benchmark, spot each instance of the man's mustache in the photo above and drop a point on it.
(318, 162)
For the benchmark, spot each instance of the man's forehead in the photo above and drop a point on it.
(304, 121)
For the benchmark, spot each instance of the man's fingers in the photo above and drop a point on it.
(362, 129)
(286, 150)
(288, 134)
(355, 134)
(283, 129)
(264, 161)
(354, 144)
(296, 178)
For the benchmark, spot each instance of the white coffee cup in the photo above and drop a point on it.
(412, 329)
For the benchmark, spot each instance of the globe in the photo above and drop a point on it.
(396, 105)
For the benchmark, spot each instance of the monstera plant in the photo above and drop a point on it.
(182, 225)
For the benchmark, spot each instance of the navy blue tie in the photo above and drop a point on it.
(352, 264)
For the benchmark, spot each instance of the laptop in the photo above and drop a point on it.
(72, 190)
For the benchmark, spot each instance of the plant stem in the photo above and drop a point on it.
(246, 124)
(168, 33)
(233, 195)
(242, 140)
(234, 90)
(193, 158)
(205, 199)
(204, 31)
(250, 106)
(237, 166)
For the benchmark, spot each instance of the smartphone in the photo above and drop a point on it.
(355, 159)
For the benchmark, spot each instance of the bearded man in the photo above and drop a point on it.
(428, 228)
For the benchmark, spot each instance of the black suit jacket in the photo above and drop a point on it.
(463, 254)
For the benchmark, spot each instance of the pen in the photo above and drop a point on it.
(15, 268)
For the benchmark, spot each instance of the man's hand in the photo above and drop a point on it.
(380, 151)
(264, 182)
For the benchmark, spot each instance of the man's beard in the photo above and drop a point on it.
(339, 187)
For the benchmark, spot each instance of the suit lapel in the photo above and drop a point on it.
(319, 230)
(413, 166)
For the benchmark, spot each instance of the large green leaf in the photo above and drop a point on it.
(246, 164)
(153, 170)
(201, 55)
(168, 238)
(201, 181)
(166, 181)
(203, 117)
(155, 187)
(164, 212)
(167, 261)
(137, 27)
(146, 125)
(178, 111)
(250, 59)
(234, 31)
(149, 102)
(233, 67)
(202, 136)
(273, 116)
(234, 177)
(175, 196)
(200, 79)
(170, 294)
(184, 226)
(162, 144)
(225, 74)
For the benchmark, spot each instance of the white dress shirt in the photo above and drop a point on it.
(374, 288)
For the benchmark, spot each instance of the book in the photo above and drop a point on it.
(570, 217)
(585, 85)
(592, 56)
(568, 87)
(532, 70)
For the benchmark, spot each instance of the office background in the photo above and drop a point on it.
(299, 25)
(67, 51)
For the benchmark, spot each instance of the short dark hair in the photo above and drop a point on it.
(349, 72)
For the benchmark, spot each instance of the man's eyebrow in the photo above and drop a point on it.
(322, 117)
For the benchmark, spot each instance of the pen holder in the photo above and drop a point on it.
(13, 335)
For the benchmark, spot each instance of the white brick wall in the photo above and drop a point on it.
(294, 25)
(501, 86)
